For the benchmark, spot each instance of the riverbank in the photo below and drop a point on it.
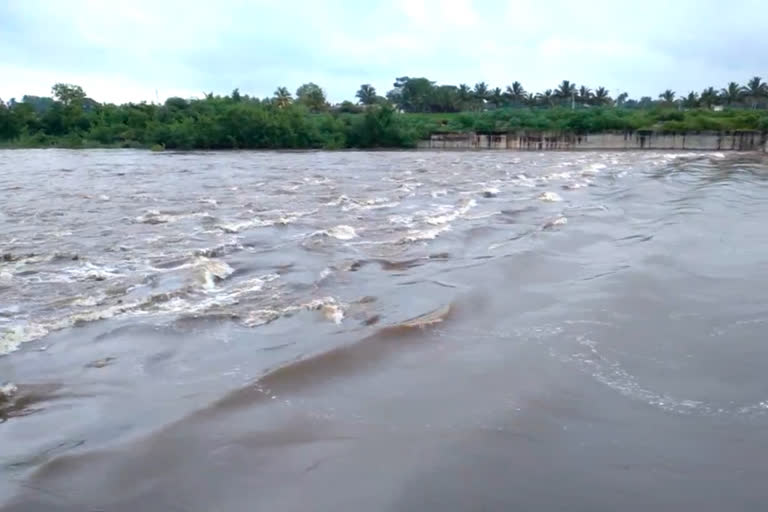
(221, 123)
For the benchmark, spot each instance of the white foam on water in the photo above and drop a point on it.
(333, 312)
(342, 232)
(90, 272)
(261, 317)
(491, 192)
(550, 197)
(450, 214)
(369, 204)
(593, 169)
(416, 235)
(212, 270)
(12, 338)
(560, 221)
(7, 390)
(438, 193)
(156, 217)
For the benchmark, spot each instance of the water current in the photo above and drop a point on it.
(383, 331)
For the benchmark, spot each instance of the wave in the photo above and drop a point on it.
(340, 361)
(449, 215)
(157, 217)
(189, 299)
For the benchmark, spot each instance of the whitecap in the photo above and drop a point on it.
(451, 215)
(490, 192)
(212, 271)
(593, 169)
(550, 197)
(425, 234)
(342, 232)
(7, 391)
(12, 338)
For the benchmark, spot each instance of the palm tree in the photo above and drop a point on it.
(497, 97)
(566, 90)
(733, 93)
(283, 97)
(601, 96)
(622, 98)
(709, 97)
(585, 95)
(464, 94)
(481, 91)
(691, 101)
(515, 92)
(366, 94)
(667, 96)
(756, 89)
(547, 97)
(530, 99)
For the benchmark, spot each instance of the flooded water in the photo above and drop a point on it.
(383, 331)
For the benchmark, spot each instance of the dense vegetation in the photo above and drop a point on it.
(413, 109)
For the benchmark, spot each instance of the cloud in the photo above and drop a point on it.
(127, 50)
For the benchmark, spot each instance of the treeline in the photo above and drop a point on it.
(423, 95)
(412, 110)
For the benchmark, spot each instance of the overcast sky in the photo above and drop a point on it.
(127, 50)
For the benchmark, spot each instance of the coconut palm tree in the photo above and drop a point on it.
(515, 92)
(464, 94)
(756, 89)
(733, 93)
(709, 97)
(691, 101)
(585, 95)
(283, 97)
(366, 94)
(566, 90)
(547, 98)
(481, 92)
(667, 96)
(496, 97)
(601, 96)
(530, 99)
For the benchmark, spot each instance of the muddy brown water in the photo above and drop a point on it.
(387, 331)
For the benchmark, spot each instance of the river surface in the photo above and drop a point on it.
(384, 331)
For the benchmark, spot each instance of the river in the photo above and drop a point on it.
(383, 331)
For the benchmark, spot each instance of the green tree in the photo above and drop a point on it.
(566, 90)
(756, 90)
(283, 97)
(69, 95)
(366, 94)
(621, 99)
(733, 93)
(585, 95)
(464, 94)
(601, 96)
(515, 93)
(668, 97)
(496, 97)
(546, 98)
(312, 96)
(412, 94)
(691, 101)
(709, 97)
(480, 92)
